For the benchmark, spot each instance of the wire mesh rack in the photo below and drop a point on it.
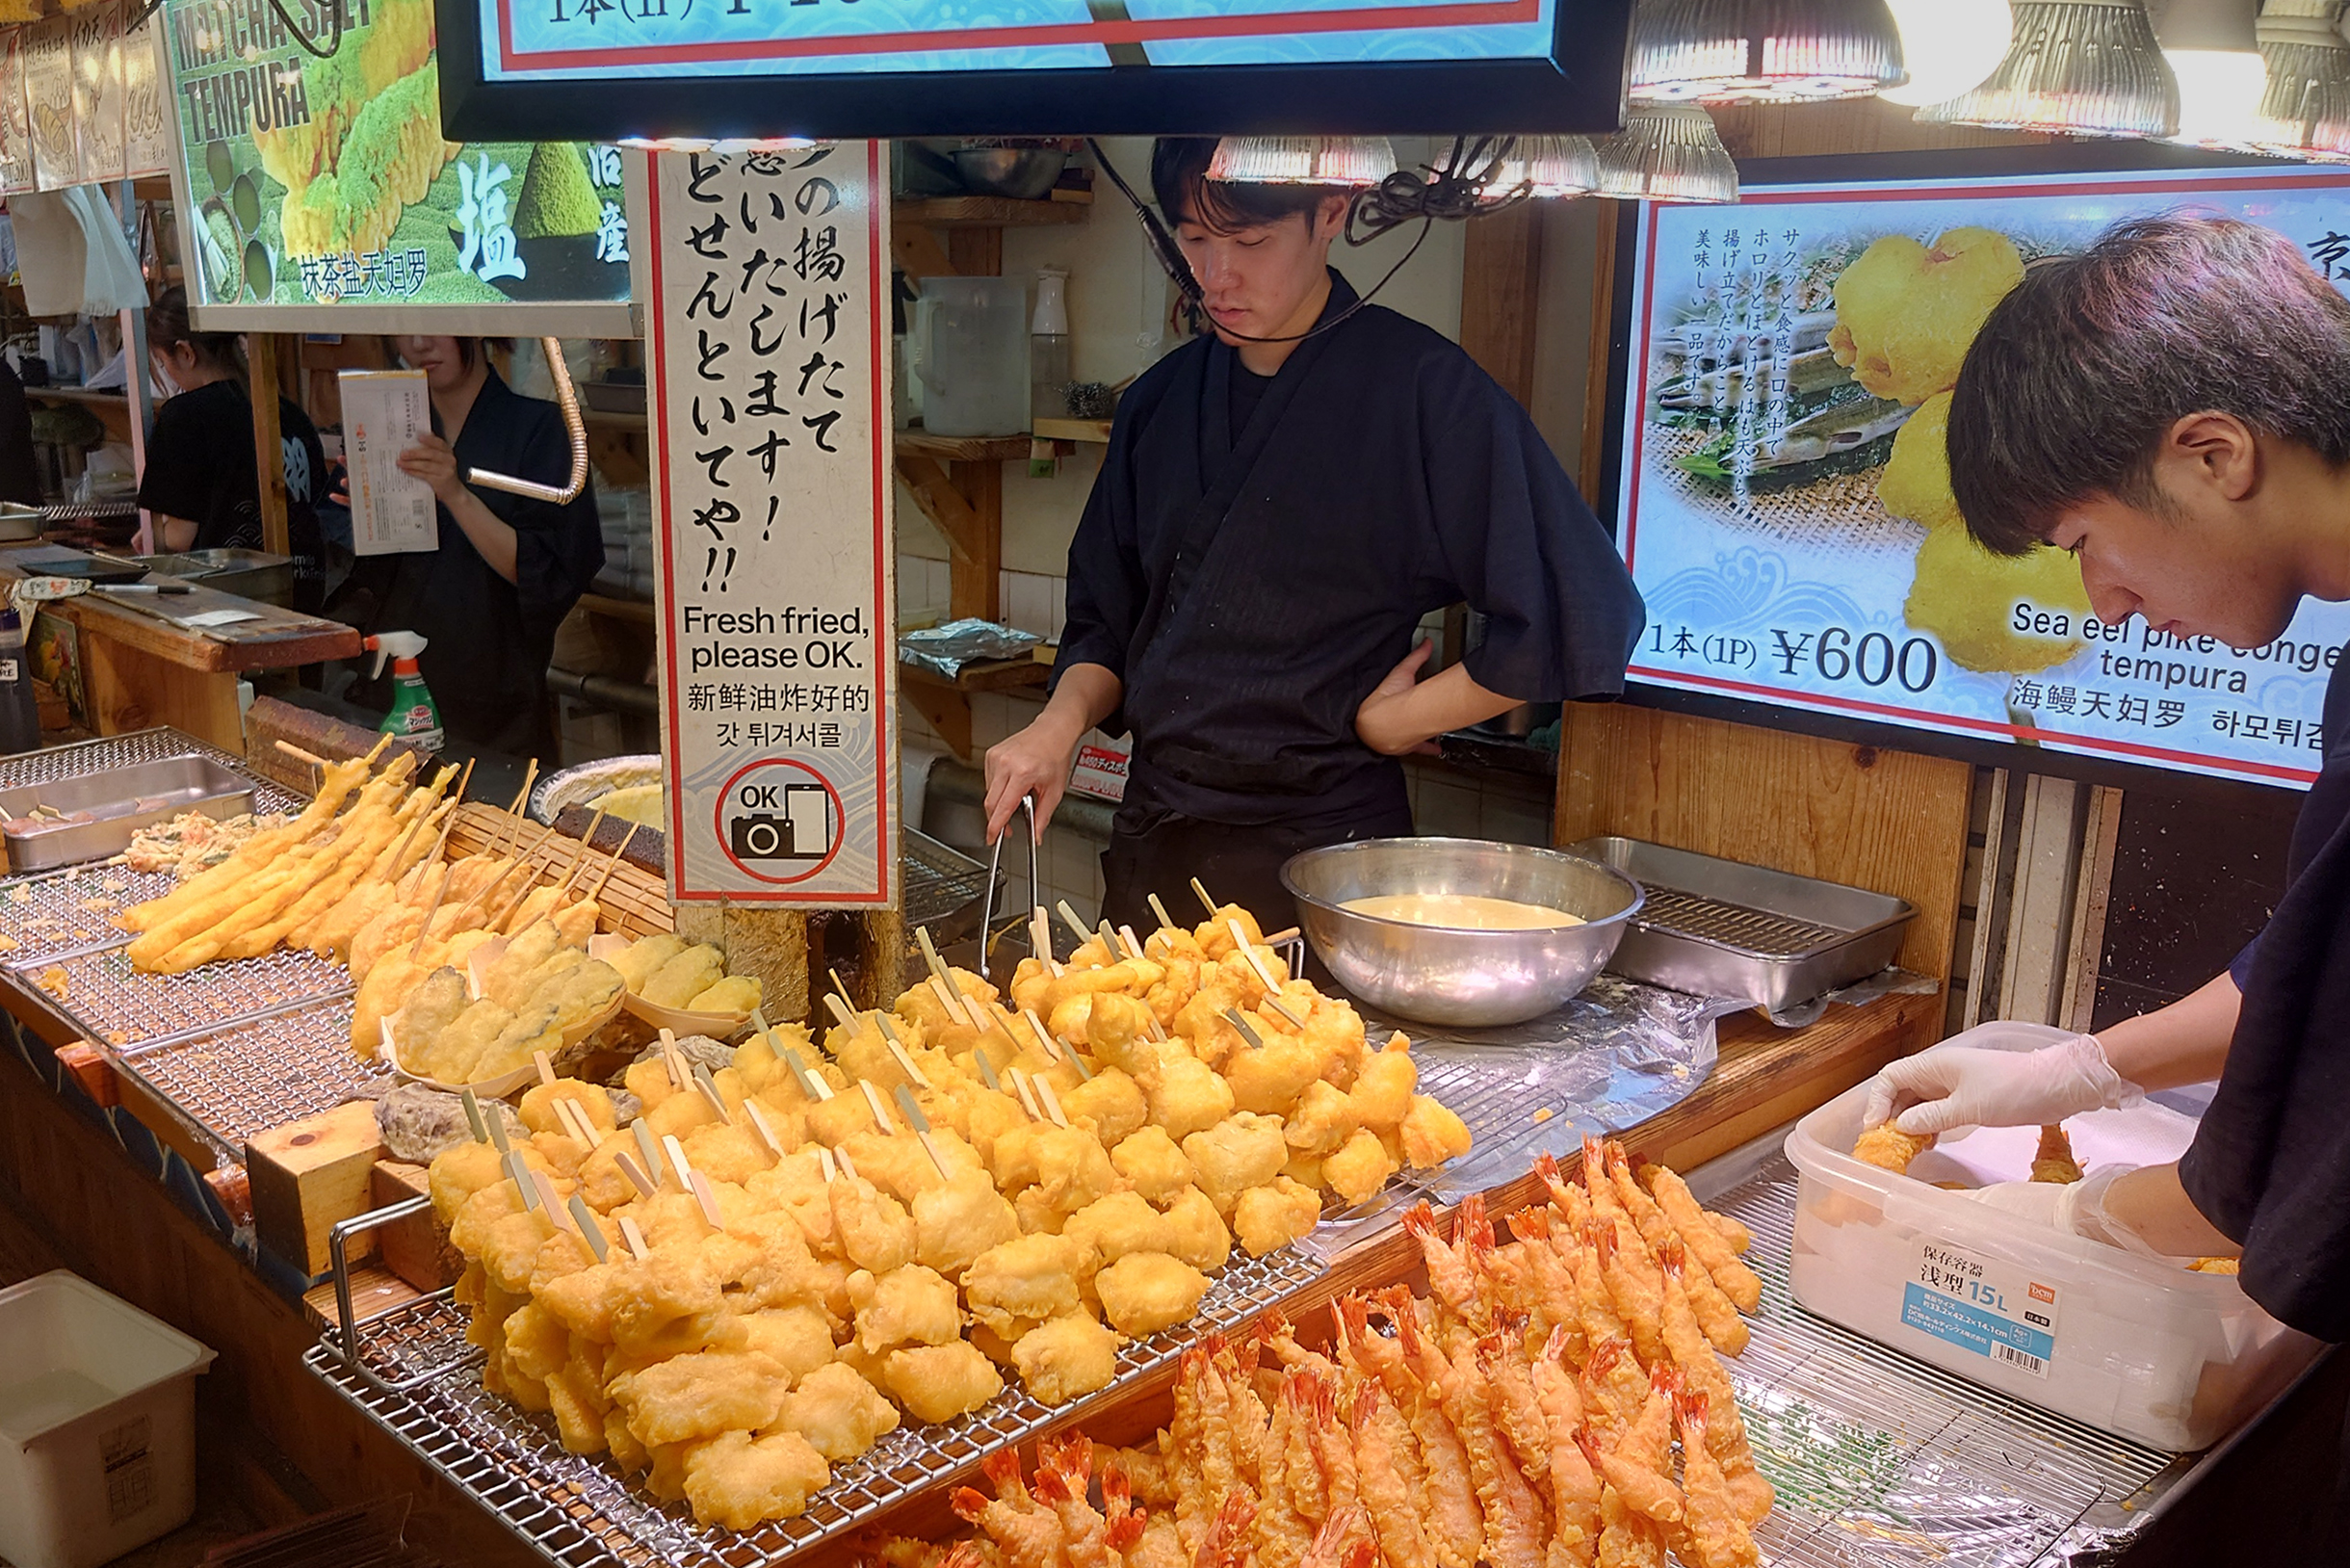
(580, 1513)
(51, 915)
(244, 1078)
(114, 1005)
(1758, 931)
(1881, 1461)
(941, 883)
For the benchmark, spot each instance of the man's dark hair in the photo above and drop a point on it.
(1180, 183)
(2077, 376)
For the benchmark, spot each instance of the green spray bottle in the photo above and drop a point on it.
(413, 716)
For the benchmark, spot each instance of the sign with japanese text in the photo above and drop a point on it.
(767, 324)
(48, 93)
(16, 171)
(1786, 506)
(318, 182)
(146, 140)
(97, 92)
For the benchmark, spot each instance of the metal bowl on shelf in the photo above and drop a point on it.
(1022, 173)
(1440, 975)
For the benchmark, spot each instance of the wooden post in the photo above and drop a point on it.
(1500, 281)
(268, 457)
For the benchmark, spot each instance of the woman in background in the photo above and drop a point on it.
(507, 568)
(203, 479)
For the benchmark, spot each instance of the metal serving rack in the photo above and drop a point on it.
(1758, 931)
(941, 883)
(126, 750)
(416, 1375)
(113, 1005)
(1881, 1461)
(231, 1080)
(56, 914)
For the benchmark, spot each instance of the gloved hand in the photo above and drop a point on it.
(2076, 1207)
(1955, 1085)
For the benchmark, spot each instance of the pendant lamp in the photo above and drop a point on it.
(2076, 68)
(1948, 46)
(1762, 51)
(2305, 113)
(1666, 153)
(2213, 52)
(1348, 161)
(1547, 166)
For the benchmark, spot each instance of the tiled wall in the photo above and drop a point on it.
(1032, 601)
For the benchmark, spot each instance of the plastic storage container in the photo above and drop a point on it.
(98, 1424)
(2147, 1351)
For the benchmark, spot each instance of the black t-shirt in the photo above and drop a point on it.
(2270, 1164)
(1250, 593)
(200, 466)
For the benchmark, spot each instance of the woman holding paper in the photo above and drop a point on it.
(507, 569)
(202, 481)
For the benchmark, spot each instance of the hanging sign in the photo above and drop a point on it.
(16, 175)
(767, 324)
(48, 88)
(146, 140)
(314, 175)
(1785, 503)
(97, 92)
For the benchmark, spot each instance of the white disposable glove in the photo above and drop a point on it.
(1955, 1085)
(2076, 1207)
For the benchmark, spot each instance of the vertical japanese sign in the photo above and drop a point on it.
(146, 140)
(1786, 508)
(97, 92)
(16, 116)
(48, 90)
(771, 443)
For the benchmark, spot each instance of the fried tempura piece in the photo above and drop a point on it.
(912, 1305)
(1905, 314)
(735, 996)
(1275, 1214)
(954, 1223)
(798, 1339)
(939, 1382)
(1714, 1533)
(1118, 1224)
(701, 1395)
(2054, 1162)
(1150, 1162)
(686, 975)
(1888, 1148)
(1112, 1101)
(1188, 1096)
(641, 959)
(1201, 1239)
(1239, 1154)
(838, 1412)
(737, 1480)
(1067, 1358)
(1967, 597)
(1357, 1170)
(1032, 1278)
(1433, 1134)
(506, 980)
(1145, 1291)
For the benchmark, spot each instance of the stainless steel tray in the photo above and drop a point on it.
(102, 810)
(1722, 927)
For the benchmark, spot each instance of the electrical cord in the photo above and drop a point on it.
(295, 28)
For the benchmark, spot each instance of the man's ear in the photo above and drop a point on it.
(1330, 218)
(2214, 451)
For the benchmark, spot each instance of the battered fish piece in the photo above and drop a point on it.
(578, 992)
(912, 1305)
(1916, 480)
(1032, 1278)
(1888, 1148)
(736, 1482)
(796, 1338)
(1273, 1215)
(939, 1382)
(954, 1223)
(878, 1235)
(1067, 1358)
(1188, 1096)
(701, 1395)
(1118, 1224)
(471, 1037)
(1112, 1101)
(1072, 1168)
(537, 1028)
(1358, 1170)
(1382, 1091)
(1319, 1124)
(1905, 314)
(1433, 1134)
(1200, 1237)
(2054, 1162)
(1269, 1079)
(1239, 1154)
(537, 1108)
(838, 1412)
(429, 1009)
(686, 977)
(640, 961)
(509, 979)
(1150, 1161)
(734, 996)
(1145, 1291)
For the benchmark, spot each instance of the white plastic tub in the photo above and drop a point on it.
(97, 1424)
(2147, 1351)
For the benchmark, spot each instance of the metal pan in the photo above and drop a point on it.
(101, 811)
(1722, 927)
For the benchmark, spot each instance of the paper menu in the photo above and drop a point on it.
(384, 413)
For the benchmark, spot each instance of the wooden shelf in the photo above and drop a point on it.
(78, 394)
(986, 212)
(962, 448)
(612, 419)
(1073, 430)
(637, 611)
(993, 675)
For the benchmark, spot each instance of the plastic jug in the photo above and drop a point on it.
(972, 356)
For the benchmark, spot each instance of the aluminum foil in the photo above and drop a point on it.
(945, 649)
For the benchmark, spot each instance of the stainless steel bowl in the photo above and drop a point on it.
(1436, 975)
(1022, 173)
(590, 781)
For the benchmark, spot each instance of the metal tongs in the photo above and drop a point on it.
(987, 899)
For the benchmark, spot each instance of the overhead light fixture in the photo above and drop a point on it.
(1948, 46)
(1547, 166)
(1346, 162)
(2213, 52)
(1666, 153)
(2076, 68)
(1766, 51)
(2305, 113)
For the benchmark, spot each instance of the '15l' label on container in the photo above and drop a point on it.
(1994, 1309)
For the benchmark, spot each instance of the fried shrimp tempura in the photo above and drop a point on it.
(2055, 1164)
(1888, 1148)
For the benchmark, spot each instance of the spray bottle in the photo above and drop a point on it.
(413, 716)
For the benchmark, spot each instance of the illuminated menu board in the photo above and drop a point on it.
(835, 68)
(1784, 499)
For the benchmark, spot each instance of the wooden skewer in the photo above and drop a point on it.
(1165, 919)
(1134, 943)
(988, 1071)
(1044, 1035)
(824, 1159)
(676, 1152)
(948, 998)
(635, 1238)
(1286, 933)
(1040, 937)
(638, 1176)
(1212, 905)
(922, 1133)
(881, 1111)
(1022, 1090)
(550, 1201)
(497, 1131)
(950, 993)
(575, 1126)
(1248, 1030)
(905, 1062)
(888, 1030)
(497, 922)
(703, 1081)
(840, 1012)
(530, 777)
(1084, 933)
(580, 858)
(520, 1175)
(426, 929)
(1052, 1102)
(707, 1199)
(546, 1069)
(297, 752)
(584, 1221)
(840, 988)
(1150, 1021)
(759, 1125)
(650, 1148)
(849, 1166)
(1273, 1001)
(614, 864)
(473, 1115)
(1239, 940)
(673, 1060)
